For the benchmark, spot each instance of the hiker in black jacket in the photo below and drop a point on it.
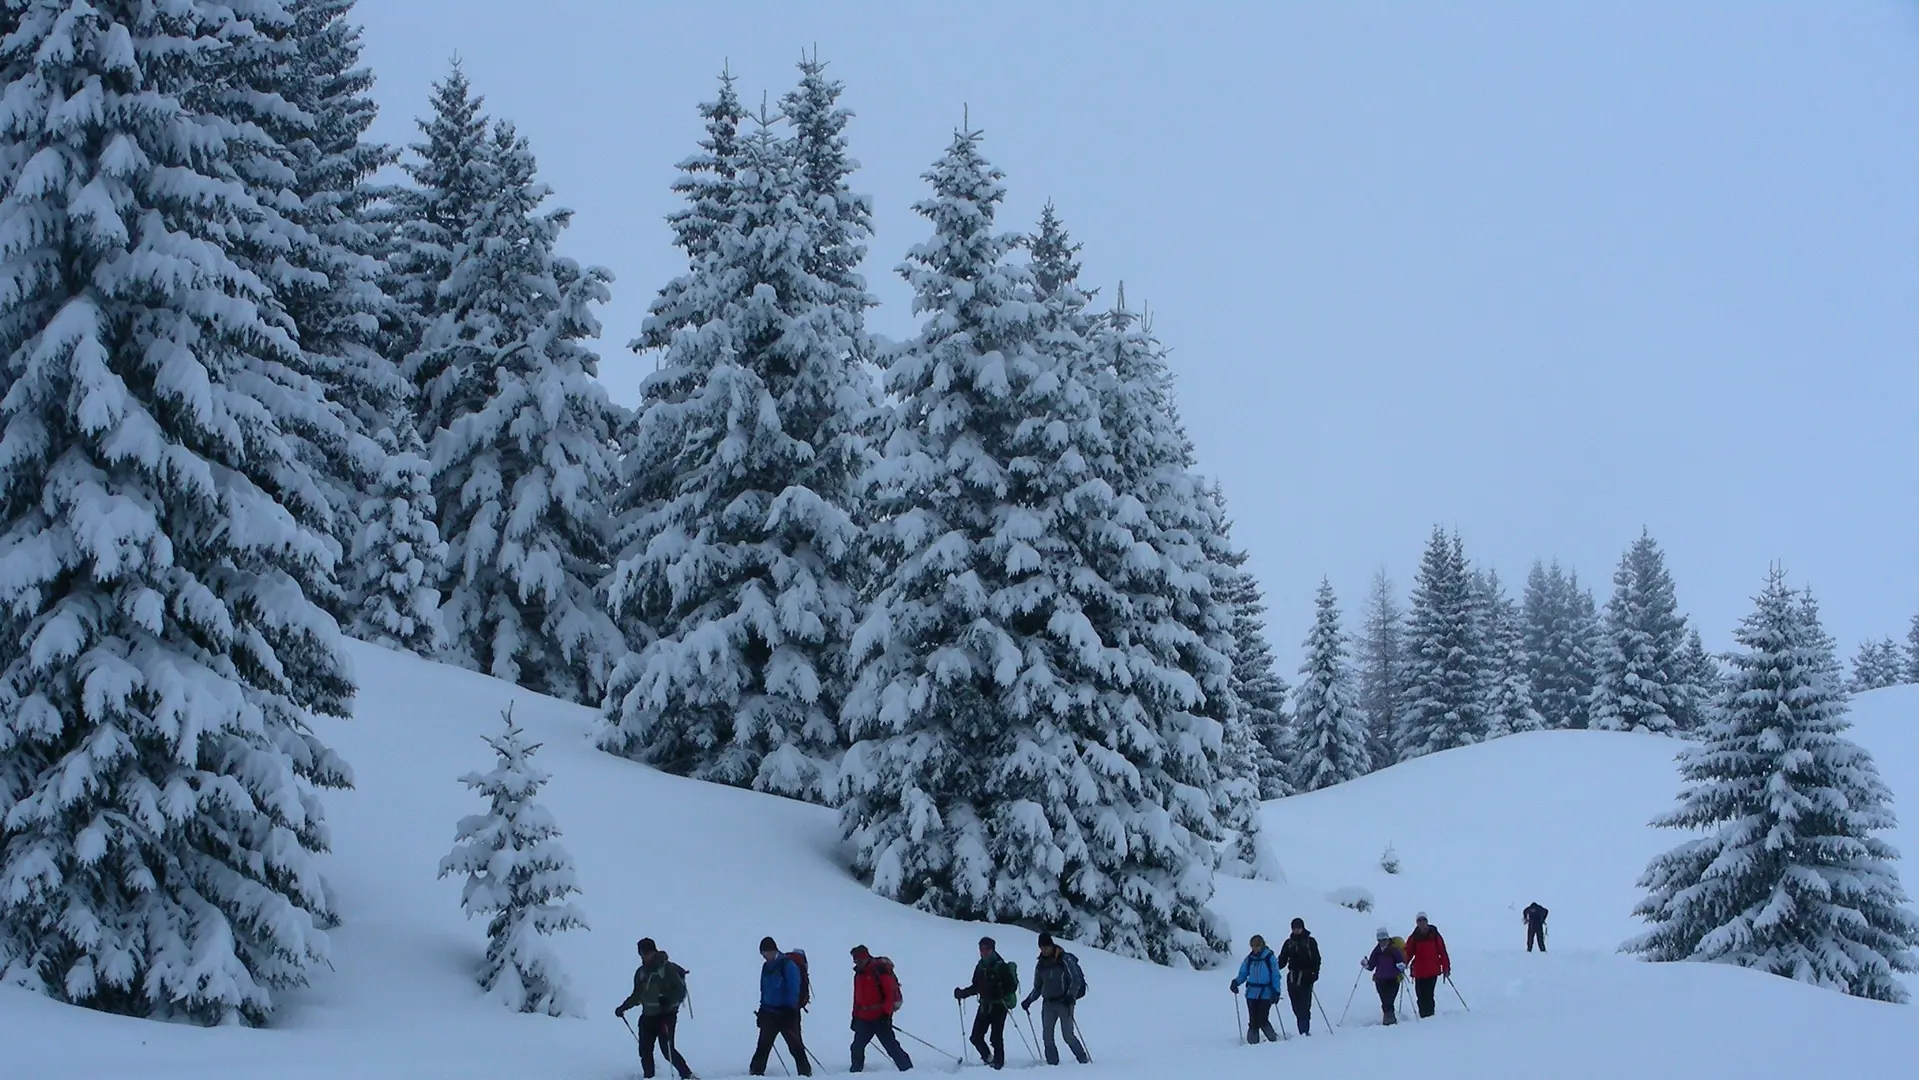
(996, 985)
(1300, 957)
(1535, 917)
(1058, 984)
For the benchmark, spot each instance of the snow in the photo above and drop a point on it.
(1559, 817)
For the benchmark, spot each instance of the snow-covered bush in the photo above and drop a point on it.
(1389, 860)
(1352, 896)
(517, 872)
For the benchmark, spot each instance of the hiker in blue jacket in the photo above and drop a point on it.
(1259, 974)
(779, 1012)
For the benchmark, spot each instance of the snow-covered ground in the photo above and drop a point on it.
(1556, 817)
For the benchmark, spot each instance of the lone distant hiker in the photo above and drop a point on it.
(659, 986)
(1259, 974)
(996, 984)
(1535, 917)
(779, 1013)
(1300, 957)
(1426, 952)
(1058, 984)
(1387, 964)
(876, 997)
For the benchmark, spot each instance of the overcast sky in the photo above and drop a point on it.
(1547, 273)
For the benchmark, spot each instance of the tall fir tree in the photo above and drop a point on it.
(1029, 749)
(1251, 752)
(1509, 697)
(1703, 679)
(519, 877)
(1793, 878)
(523, 454)
(1557, 645)
(1382, 669)
(747, 574)
(338, 301)
(1260, 689)
(1445, 704)
(399, 556)
(162, 542)
(1641, 682)
(1878, 665)
(1331, 734)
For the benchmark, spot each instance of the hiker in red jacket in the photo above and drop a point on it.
(876, 997)
(1426, 956)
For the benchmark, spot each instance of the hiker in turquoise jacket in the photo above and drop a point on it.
(1259, 974)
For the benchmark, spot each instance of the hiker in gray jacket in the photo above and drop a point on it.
(1058, 984)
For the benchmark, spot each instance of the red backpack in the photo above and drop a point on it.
(888, 977)
(798, 956)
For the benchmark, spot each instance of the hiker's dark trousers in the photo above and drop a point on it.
(865, 1031)
(1423, 990)
(1536, 933)
(1388, 998)
(1300, 992)
(990, 1020)
(780, 1024)
(1259, 1020)
(658, 1031)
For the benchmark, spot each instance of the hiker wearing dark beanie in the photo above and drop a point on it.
(659, 988)
(996, 984)
(782, 994)
(1058, 984)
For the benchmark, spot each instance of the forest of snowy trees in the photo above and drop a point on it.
(265, 382)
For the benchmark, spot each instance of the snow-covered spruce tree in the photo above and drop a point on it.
(1879, 664)
(158, 557)
(1444, 704)
(1641, 684)
(524, 453)
(1557, 645)
(1330, 734)
(746, 575)
(1382, 669)
(424, 225)
(1704, 679)
(1028, 746)
(398, 555)
(1912, 651)
(1158, 466)
(519, 877)
(1509, 696)
(1259, 687)
(1792, 879)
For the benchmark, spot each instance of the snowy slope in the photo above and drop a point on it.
(1557, 817)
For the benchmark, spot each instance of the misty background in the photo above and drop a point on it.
(1544, 273)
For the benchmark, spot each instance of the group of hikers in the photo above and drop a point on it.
(659, 989)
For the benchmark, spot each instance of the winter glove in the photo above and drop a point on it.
(1235, 986)
(1401, 968)
(620, 1011)
(959, 993)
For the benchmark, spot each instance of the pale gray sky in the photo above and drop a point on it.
(1545, 272)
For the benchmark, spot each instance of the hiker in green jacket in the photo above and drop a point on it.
(659, 986)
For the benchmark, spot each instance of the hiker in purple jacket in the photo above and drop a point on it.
(1388, 965)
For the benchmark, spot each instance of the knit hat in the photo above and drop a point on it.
(1045, 940)
(1382, 934)
(1299, 924)
(647, 946)
(860, 953)
(988, 943)
(766, 945)
(1421, 917)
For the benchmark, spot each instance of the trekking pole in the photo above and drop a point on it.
(1277, 1003)
(1350, 996)
(1081, 1032)
(1028, 1043)
(817, 1063)
(961, 1006)
(782, 1059)
(943, 1053)
(1330, 1029)
(1457, 994)
(1241, 1024)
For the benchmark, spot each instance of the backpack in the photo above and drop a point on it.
(1075, 978)
(888, 977)
(798, 956)
(1400, 944)
(673, 994)
(1009, 978)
